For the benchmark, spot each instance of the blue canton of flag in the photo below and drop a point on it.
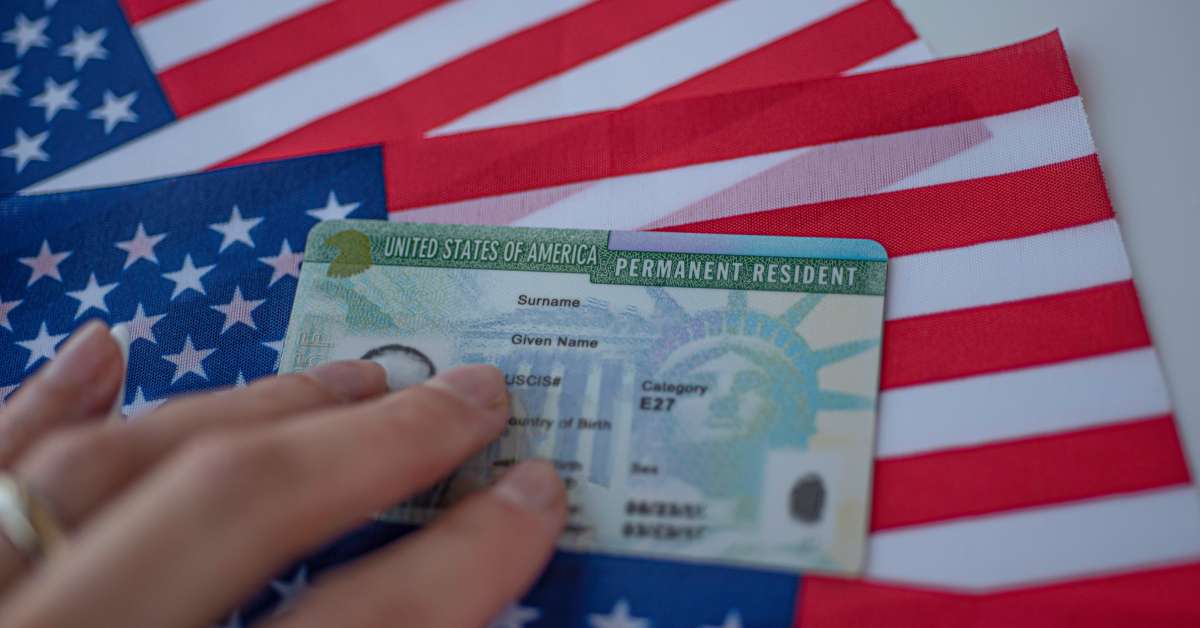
(203, 268)
(579, 590)
(73, 84)
(615, 592)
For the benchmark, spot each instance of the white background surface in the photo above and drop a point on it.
(1137, 63)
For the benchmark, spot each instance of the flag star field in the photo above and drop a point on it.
(202, 268)
(73, 84)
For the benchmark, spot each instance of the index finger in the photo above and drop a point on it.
(231, 512)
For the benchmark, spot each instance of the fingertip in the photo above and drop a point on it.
(78, 384)
(87, 363)
(533, 485)
(351, 380)
(479, 384)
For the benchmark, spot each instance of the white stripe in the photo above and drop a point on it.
(1013, 142)
(913, 52)
(202, 26)
(500, 209)
(630, 201)
(653, 63)
(368, 68)
(1046, 134)
(1039, 545)
(1006, 270)
(1017, 404)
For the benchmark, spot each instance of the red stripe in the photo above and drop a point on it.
(1018, 334)
(1164, 597)
(482, 77)
(1013, 205)
(1131, 456)
(725, 126)
(280, 48)
(138, 10)
(838, 43)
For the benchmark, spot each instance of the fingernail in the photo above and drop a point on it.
(532, 485)
(351, 380)
(83, 358)
(479, 384)
(120, 335)
(405, 366)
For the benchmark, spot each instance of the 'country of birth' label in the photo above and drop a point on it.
(704, 397)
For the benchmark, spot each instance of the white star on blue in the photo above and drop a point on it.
(74, 83)
(515, 616)
(290, 590)
(202, 309)
(619, 617)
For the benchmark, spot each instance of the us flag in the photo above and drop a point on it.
(97, 91)
(1028, 467)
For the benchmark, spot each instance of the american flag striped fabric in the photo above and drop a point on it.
(1027, 450)
(1028, 467)
(243, 81)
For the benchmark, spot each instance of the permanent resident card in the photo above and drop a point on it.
(704, 397)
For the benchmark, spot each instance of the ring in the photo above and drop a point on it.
(25, 520)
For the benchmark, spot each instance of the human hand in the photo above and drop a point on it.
(178, 517)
